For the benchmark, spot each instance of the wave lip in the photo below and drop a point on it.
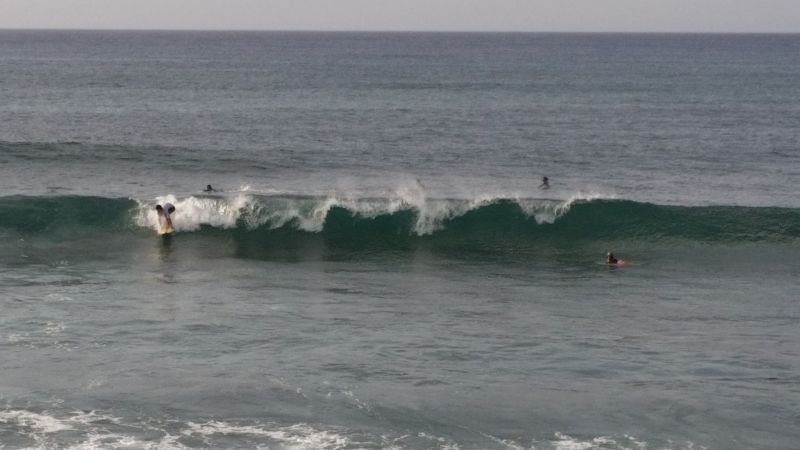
(410, 211)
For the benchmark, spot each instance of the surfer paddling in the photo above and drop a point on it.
(610, 259)
(163, 214)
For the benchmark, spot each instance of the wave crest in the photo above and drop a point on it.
(422, 216)
(408, 216)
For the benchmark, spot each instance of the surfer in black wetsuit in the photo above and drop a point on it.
(545, 183)
(610, 258)
(209, 189)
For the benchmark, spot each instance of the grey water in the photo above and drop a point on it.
(378, 266)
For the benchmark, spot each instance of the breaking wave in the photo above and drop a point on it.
(516, 219)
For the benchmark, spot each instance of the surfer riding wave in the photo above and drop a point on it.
(164, 219)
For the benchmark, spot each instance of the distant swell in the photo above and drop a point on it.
(388, 221)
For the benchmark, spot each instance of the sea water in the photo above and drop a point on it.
(378, 266)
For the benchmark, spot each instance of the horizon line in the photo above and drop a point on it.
(398, 31)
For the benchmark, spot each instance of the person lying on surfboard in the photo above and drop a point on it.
(610, 259)
(165, 211)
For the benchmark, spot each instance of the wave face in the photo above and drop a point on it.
(36, 215)
(388, 221)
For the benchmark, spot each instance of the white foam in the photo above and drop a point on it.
(40, 426)
(101, 440)
(547, 211)
(193, 212)
(38, 423)
(55, 297)
(96, 383)
(625, 442)
(90, 417)
(53, 328)
(299, 436)
(310, 213)
(565, 442)
(443, 443)
(360, 404)
(507, 443)
(97, 430)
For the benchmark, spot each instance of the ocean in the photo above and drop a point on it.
(378, 266)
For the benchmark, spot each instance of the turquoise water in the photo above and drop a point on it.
(378, 267)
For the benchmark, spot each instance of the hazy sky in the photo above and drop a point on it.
(411, 15)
